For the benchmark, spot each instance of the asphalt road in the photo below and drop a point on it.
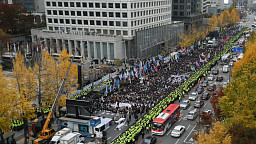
(249, 22)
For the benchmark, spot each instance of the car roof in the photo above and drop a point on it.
(193, 93)
(185, 100)
(178, 127)
(148, 137)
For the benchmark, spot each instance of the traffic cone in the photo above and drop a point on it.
(160, 141)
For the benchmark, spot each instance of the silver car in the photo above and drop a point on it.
(193, 96)
(192, 114)
(210, 77)
(185, 104)
(178, 131)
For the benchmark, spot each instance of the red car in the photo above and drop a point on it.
(211, 87)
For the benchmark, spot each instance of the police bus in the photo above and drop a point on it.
(165, 119)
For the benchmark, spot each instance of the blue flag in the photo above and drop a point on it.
(160, 57)
(152, 69)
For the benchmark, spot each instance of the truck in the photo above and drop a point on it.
(72, 138)
(58, 135)
(225, 68)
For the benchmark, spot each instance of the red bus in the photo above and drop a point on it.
(165, 119)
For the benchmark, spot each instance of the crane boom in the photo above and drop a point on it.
(56, 99)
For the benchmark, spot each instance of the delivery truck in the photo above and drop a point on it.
(58, 135)
(72, 138)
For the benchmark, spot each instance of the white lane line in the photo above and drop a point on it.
(189, 133)
(190, 107)
(117, 136)
(109, 138)
(180, 119)
(205, 104)
(187, 127)
(169, 131)
(181, 111)
(177, 141)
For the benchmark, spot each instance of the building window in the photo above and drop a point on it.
(66, 12)
(117, 14)
(111, 14)
(91, 13)
(104, 5)
(105, 23)
(117, 5)
(54, 4)
(98, 22)
(104, 14)
(84, 4)
(92, 49)
(54, 12)
(182, 7)
(65, 4)
(49, 20)
(111, 23)
(85, 22)
(118, 23)
(175, 7)
(78, 13)
(98, 50)
(110, 5)
(59, 4)
(97, 5)
(85, 13)
(49, 12)
(90, 5)
(124, 5)
(73, 13)
(91, 22)
(125, 33)
(73, 21)
(98, 14)
(48, 4)
(124, 15)
(61, 21)
(111, 46)
(105, 50)
(124, 24)
(175, 13)
(181, 1)
(78, 4)
(67, 21)
(72, 4)
(181, 13)
(60, 12)
(79, 21)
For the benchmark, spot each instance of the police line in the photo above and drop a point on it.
(130, 135)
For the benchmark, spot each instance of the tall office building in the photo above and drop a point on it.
(106, 28)
(188, 11)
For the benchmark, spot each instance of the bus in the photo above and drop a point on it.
(165, 119)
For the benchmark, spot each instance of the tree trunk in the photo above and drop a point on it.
(2, 137)
(25, 130)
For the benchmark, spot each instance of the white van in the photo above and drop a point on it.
(58, 135)
(225, 68)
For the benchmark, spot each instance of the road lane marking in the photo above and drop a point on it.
(189, 133)
(180, 119)
(109, 138)
(205, 104)
(169, 132)
(190, 107)
(187, 127)
(177, 141)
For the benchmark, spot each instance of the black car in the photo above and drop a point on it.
(206, 96)
(219, 78)
(215, 71)
(149, 140)
(199, 90)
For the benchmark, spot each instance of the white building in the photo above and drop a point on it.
(212, 6)
(104, 28)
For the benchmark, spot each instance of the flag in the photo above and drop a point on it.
(14, 47)
(206, 59)
(194, 68)
(121, 76)
(184, 76)
(132, 73)
(152, 69)
(160, 57)
(117, 83)
(188, 53)
(197, 63)
(37, 48)
(27, 48)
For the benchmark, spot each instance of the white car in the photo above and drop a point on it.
(231, 63)
(192, 114)
(210, 77)
(193, 96)
(178, 131)
(185, 104)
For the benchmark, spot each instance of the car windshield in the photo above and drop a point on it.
(193, 94)
(157, 126)
(190, 113)
(147, 140)
(205, 94)
(176, 130)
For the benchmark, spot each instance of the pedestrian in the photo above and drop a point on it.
(142, 134)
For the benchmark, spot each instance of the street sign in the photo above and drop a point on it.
(237, 49)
